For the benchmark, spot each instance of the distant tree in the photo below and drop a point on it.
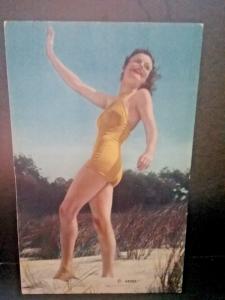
(158, 192)
(60, 181)
(25, 166)
(180, 182)
(35, 195)
(123, 195)
(150, 190)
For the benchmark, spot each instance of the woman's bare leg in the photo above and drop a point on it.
(84, 187)
(101, 206)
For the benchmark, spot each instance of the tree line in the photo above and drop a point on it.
(37, 196)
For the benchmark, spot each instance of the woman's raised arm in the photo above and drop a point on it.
(98, 98)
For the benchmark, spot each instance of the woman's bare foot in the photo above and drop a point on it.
(65, 274)
(108, 275)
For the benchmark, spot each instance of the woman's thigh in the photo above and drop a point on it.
(101, 203)
(86, 184)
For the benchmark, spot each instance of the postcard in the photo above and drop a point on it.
(102, 118)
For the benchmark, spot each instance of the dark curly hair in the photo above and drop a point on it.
(153, 76)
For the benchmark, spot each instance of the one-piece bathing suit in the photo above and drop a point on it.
(113, 129)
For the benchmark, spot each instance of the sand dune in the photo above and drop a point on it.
(131, 276)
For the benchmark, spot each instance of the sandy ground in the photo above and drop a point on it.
(131, 276)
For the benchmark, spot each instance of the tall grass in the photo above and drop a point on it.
(43, 234)
(137, 232)
(169, 274)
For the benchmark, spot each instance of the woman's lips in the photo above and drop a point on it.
(137, 72)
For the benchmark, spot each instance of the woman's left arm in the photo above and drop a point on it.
(145, 109)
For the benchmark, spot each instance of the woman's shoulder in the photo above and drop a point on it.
(110, 100)
(142, 97)
(143, 92)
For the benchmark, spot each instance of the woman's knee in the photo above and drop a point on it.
(66, 213)
(101, 224)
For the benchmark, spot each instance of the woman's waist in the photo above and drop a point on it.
(109, 137)
(115, 136)
(107, 145)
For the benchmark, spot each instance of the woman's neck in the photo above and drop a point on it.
(124, 90)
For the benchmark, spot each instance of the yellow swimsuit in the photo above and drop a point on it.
(113, 129)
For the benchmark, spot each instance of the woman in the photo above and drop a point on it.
(95, 181)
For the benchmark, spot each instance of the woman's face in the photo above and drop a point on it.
(138, 69)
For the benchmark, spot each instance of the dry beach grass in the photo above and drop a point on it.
(149, 255)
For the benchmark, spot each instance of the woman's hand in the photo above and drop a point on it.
(50, 41)
(144, 161)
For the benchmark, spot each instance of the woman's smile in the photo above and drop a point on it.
(137, 71)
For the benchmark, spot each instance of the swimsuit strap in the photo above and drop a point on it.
(120, 100)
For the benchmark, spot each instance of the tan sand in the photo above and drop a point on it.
(131, 276)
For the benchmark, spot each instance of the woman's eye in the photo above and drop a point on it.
(138, 61)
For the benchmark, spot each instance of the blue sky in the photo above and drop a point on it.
(57, 128)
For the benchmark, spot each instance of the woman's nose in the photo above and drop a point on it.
(142, 64)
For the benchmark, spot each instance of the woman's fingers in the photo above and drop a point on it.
(143, 162)
(50, 31)
(50, 34)
(50, 39)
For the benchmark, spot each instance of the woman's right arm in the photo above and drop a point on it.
(98, 98)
